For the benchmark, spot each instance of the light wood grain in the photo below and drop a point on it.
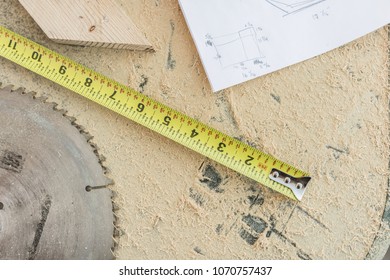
(87, 23)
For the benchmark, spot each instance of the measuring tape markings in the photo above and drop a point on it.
(156, 116)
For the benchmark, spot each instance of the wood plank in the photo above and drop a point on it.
(87, 23)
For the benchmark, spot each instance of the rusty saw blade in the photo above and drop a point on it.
(52, 205)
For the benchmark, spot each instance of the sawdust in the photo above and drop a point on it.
(327, 115)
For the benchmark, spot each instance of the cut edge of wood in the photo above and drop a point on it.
(135, 47)
(72, 32)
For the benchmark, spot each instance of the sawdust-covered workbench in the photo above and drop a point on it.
(328, 115)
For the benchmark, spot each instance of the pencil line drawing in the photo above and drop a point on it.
(237, 47)
(293, 6)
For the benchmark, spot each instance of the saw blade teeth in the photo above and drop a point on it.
(110, 182)
(87, 136)
(102, 158)
(30, 94)
(54, 105)
(93, 145)
(79, 127)
(8, 88)
(71, 119)
(115, 238)
(117, 233)
(82, 130)
(20, 90)
(62, 112)
(40, 105)
(114, 195)
(115, 208)
(41, 98)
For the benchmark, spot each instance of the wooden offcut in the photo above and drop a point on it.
(87, 23)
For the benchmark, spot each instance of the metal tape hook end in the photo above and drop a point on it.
(296, 184)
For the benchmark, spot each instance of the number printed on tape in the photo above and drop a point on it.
(137, 107)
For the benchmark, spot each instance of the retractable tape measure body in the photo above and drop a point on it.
(137, 107)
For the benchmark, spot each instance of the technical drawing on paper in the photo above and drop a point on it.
(236, 48)
(293, 6)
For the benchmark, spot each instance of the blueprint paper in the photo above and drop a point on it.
(239, 40)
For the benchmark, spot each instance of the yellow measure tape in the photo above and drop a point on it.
(137, 107)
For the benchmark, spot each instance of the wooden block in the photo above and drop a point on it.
(87, 23)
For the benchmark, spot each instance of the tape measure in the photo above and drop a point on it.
(137, 107)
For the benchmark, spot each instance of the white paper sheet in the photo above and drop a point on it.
(239, 40)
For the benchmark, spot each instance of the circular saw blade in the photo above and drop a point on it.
(46, 164)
